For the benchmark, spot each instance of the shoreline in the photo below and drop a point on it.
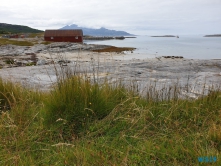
(113, 66)
(161, 71)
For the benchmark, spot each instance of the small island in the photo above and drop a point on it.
(165, 36)
(215, 35)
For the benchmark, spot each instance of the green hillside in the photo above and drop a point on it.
(9, 28)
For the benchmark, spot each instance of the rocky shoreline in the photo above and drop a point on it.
(194, 77)
(14, 56)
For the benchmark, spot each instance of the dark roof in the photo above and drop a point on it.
(68, 32)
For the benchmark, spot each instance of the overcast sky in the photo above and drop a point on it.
(141, 17)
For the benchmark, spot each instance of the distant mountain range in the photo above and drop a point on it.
(98, 32)
(9, 28)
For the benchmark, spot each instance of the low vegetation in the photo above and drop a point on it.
(15, 42)
(83, 123)
(46, 42)
(115, 49)
(34, 35)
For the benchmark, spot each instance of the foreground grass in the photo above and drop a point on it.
(79, 123)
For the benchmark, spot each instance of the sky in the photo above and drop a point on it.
(140, 17)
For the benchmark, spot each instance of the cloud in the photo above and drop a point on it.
(135, 16)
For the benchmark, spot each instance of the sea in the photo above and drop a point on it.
(190, 47)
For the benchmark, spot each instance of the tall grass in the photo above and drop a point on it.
(77, 102)
(81, 122)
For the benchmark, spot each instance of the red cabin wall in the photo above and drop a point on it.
(65, 39)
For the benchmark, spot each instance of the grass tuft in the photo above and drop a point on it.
(77, 102)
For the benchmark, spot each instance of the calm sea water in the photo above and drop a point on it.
(191, 47)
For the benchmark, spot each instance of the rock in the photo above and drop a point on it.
(22, 62)
(173, 57)
(18, 63)
(59, 44)
(31, 53)
(41, 62)
(64, 61)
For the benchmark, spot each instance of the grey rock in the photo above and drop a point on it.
(41, 62)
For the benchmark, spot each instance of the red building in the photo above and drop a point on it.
(69, 35)
(13, 36)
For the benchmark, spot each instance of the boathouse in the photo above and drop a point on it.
(69, 35)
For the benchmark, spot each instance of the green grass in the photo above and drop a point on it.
(9, 61)
(15, 42)
(80, 123)
(33, 35)
(46, 42)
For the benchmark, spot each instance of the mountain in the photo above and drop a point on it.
(9, 28)
(98, 32)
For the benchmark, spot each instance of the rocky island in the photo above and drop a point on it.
(215, 35)
(165, 36)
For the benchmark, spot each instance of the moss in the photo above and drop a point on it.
(115, 49)
(46, 42)
(31, 64)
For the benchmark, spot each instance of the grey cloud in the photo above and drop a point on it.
(140, 16)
